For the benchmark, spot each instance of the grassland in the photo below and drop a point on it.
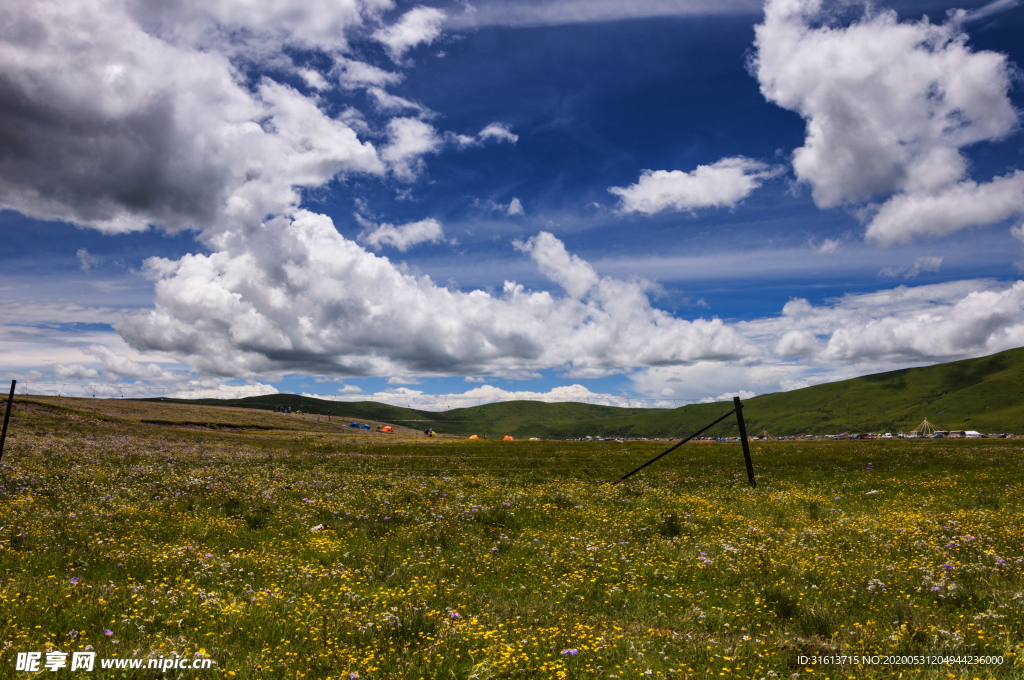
(298, 549)
(985, 394)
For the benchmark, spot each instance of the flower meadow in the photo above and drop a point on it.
(327, 556)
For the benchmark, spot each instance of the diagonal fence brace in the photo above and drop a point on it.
(738, 410)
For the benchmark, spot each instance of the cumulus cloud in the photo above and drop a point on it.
(208, 389)
(796, 343)
(301, 297)
(117, 365)
(515, 207)
(120, 116)
(402, 237)
(357, 74)
(409, 139)
(722, 184)
(907, 216)
(855, 335)
(420, 25)
(571, 272)
(889, 106)
(74, 372)
(939, 322)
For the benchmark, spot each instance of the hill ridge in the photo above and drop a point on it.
(985, 394)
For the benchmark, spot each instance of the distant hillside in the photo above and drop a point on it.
(985, 394)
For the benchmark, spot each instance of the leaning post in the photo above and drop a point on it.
(7, 416)
(743, 437)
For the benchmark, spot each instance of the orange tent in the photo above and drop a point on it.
(387, 428)
(506, 438)
(473, 436)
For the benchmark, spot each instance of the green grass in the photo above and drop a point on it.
(985, 394)
(440, 559)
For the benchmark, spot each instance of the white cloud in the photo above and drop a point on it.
(514, 207)
(313, 79)
(298, 296)
(85, 260)
(497, 132)
(402, 237)
(350, 389)
(123, 116)
(796, 343)
(930, 323)
(728, 396)
(1018, 232)
(571, 272)
(855, 335)
(908, 216)
(722, 184)
(257, 29)
(74, 372)
(357, 74)
(828, 246)
(206, 389)
(117, 365)
(409, 139)
(388, 102)
(889, 105)
(500, 132)
(417, 26)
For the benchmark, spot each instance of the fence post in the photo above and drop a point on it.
(743, 438)
(7, 416)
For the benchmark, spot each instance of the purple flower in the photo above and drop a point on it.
(354, 675)
(74, 580)
(494, 550)
(507, 504)
(570, 652)
(948, 566)
(936, 588)
(108, 632)
(454, 615)
(1000, 561)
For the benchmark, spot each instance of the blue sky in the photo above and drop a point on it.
(447, 204)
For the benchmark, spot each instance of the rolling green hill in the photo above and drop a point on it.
(985, 394)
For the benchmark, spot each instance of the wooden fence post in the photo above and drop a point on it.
(743, 437)
(7, 416)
